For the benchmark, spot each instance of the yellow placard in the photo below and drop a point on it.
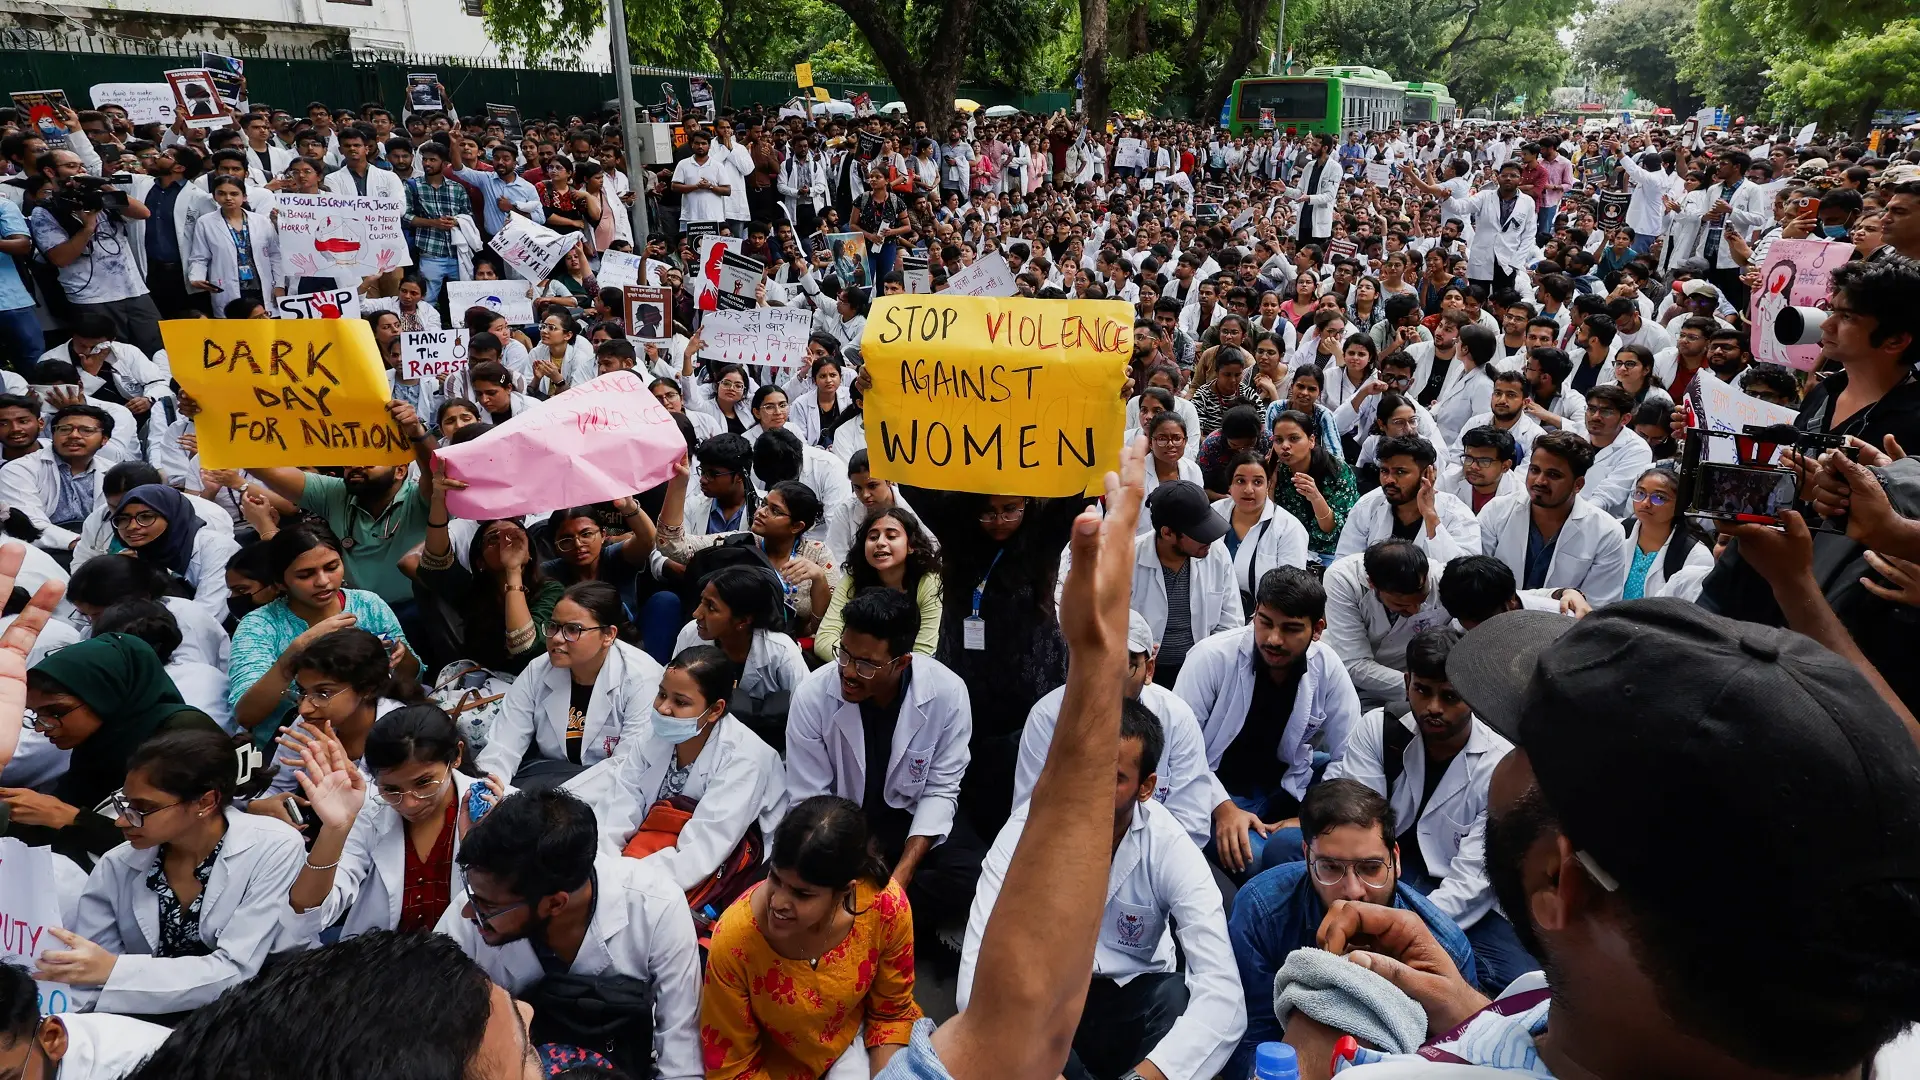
(803, 74)
(997, 395)
(285, 392)
(820, 94)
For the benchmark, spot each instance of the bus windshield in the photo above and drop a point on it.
(1419, 108)
(1288, 100)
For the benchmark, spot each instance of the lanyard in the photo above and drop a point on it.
(980, 589)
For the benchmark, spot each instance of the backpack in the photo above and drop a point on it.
(743, 867)
(612, 1014)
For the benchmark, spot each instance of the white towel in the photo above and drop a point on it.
(1349, 999)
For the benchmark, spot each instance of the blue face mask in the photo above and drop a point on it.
(1834, 232)
(675, 729)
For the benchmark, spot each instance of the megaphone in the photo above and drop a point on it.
(1799, 325)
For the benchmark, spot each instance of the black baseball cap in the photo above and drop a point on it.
(1647, 715)
(1180, 505)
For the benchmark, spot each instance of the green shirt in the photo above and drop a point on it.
(374, 543)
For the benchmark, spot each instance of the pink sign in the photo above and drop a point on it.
(606, 439)
(1798, 273)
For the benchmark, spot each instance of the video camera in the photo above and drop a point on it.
(1751, 489)
(91, 193)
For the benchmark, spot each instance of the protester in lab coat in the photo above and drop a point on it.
(365, 871)
(1588, 553)
(98, 536)
(101, 583)
(1376, 602)
(1442, 823)
(160, 527)
(1502, 218)
(736, 605)
(1665, 546)
(201, 685)
(1409, 494)
(1259, 534)
(1184, 543)
(583, 696)
(1466, 388)
(1185, 786)
(833, 748)
(1620, 454)
(535, 885)
(73, 1046)
(1180, 1011)
(1486, 468)
(691, 750)
(192, 904)
(1228, 674)
(1507, 411)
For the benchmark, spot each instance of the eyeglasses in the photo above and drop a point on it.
(1602, 412)
(1475, 461)
(45, 720)
(717, 474)
(1654, 499)
(483, 917)
(145, 519)
(570, 632)
(418, 793)
(318, 697)
(865, 669)
(988, 517)
(75, 429)
(1373, 873)
(135, 816)
(568, 543)
(1168, 440)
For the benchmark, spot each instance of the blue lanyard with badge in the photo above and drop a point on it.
(973, 632)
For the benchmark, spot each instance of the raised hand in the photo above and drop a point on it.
(16, 643)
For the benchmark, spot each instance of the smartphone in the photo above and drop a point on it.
(1811, 208)
(295, 814)
(1744, 493)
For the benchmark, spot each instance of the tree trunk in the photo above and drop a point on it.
(1093, 62)
(1137, 41)
(927, 87)
(1863, 120)
(1204, 12)
(1253, 17)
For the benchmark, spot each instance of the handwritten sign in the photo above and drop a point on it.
(529, 248)
(285, 392)
(435, 353)
(27, 908)
(618, 269)
(1798, 273)
(325, 304)
(775, 337)
(1720, 407)
(345, 237)
(1379, 173)
(602, 440)
(510, 298)
(649, 314)
(1006, 396)
(988, 276)
(803, 74)
(146, 103)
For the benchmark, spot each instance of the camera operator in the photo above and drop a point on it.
(82, 231)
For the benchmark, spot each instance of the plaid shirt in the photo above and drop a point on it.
(425, 200)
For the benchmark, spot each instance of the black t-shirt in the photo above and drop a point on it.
(1251, 764)
(582, 697)
(877, 724)
(1413, 862)
(1409, 530)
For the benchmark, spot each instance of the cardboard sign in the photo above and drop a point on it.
(325, 304)
(226, 72)
(531, 249)
(803, 75)
(915, 274)
(863, 105)
(820, 94)
(988, 276)
(423, 92)
(1720, 407)
(618, 269)
(435, 353)
(769, 336)
(1379, 173)
(196, 98)
(649, 314)
(340, 236)
(605, 439)
(1006, 396)
(512, 299)
(146, 103)
(1266, 119)
(1798, 273)
(42, 109)
(1341, 249)
(27, 909)
(289, 392)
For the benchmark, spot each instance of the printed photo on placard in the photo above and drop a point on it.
(196, 100)
(423, 92)
(700, 96)
(507, 116)
(850, 258)
(43, 110)
(649, 314)
(226, 72)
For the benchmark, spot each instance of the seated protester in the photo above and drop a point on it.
(306, 561)
(98, 535)
(1239, 433)
(817, 415)
(493, 391)
(814, 974)
(1186, 784)
(1266, 696)
(191, 905)
(507, 347)
(1508, 413)
(160, 527)
(101, 583)
(1167, 460)
(1318, 489)
(846, 518)
(541, 904)
(631, 565)
(250, 584)
(694, 794)
(1485, 469)
(1397, 416)
(739, 609)
(770, 411)
(1409, 505)
(1620, 454)
(1182, 582)
(721, 395)
(894, 552)
(200, 685)
(99, 700)
(1394, 381)
(494, 585)
(1181, 1011)
(20, 425)
(58, 485)
(1671, 556)
(888, 730)
(1553, 538)
(345, 683)
(1349, 854)
(667, 392)
(57, 384)
(386, 865)
(116, 371)
(75, 1046)
(1158, 396)
(453, 415)
(1551, 402)
(1475, 588)
(779, 527)
(1431, 759)
(1377, 602)
(1260, 536)
(727, 500)
(575, 703)
(780, 455)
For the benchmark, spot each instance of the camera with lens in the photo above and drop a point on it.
(1750, 484)
(90, 193)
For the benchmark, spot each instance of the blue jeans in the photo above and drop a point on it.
(1498, 956)
(436, 269)
(1282, 847)
(1642, 242)
(21, 336)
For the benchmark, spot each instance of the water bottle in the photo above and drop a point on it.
(1275, 1061)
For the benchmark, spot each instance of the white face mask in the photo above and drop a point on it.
(675, 729)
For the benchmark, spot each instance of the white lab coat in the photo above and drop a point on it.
(381, 184)
(240, 917)
(188, 206)
(1216, 682)
(640, 928)
(1371, 641)
(1590, 555)
(1371, 521)
(1525, 429)
(1463, 395)
(774, 664)
(1616, 468)
(1186, 783)
(1452, 830)
(1507, 248)
(102, 1046)
(1213, 599)
(31, 485)
(737, 781)
(97, 535)
(212, 257)
(1692, 572)
(535, 710)
(370, 881)
(1277, 540)
(134, 375)
(805, 417)
(809, 172)
(1189, 469)
(1156, 876)
(827, 750)
(122, 445)
(825, 474)
(1321, 199)
(278, 158)
(1454, 482)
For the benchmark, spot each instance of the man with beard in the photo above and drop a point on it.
(1377, 602)
(56, 487)
(1507, 412)
(1621, 455)
(1641, 978)
(20, 426)
(1410, 505)
(1550, 400)
(1553, 538)
(1727, 354)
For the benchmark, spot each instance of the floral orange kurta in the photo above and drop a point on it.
(765, 1016)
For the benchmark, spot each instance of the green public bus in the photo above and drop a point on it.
(1428, 101)
(1332, 100)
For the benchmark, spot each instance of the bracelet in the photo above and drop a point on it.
(513, 588)
(328, 866)
(420, 438)
(431, 524)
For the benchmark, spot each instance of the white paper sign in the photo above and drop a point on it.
(618, 269)
(436, 353)
(28, 907)
(1130, 153)
(1720, 407)
(771, 336)
(510, 298)
(325, 304)
(146, 103)
(340, 236)
(1805, 135)
(988, 276)
(530, 249)
(915, 274)
(656, 273)
(1379, 173)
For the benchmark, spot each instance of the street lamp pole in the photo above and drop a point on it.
(629, 126)
(1279, 41)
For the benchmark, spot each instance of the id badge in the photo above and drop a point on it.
(974, 633)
